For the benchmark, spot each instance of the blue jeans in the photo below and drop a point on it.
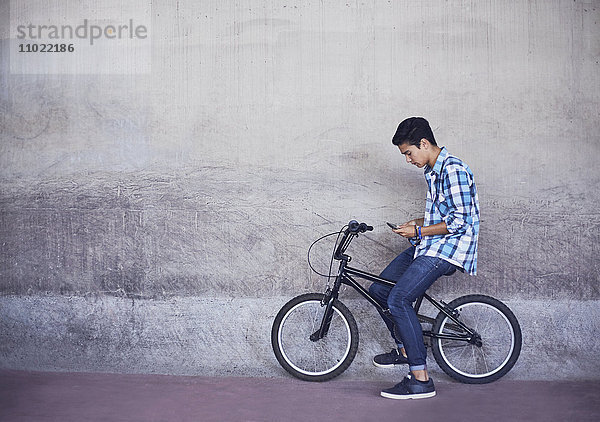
(413, 277)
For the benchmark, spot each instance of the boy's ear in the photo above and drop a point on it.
(424, 143)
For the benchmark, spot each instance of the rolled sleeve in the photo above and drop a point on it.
(458, 200)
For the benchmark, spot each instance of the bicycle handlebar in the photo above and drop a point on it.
(352, 230)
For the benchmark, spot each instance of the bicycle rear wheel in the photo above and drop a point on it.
(481, 361)
(318, 360)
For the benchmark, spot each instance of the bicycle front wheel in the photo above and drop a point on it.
(495, 348)
(318, 359)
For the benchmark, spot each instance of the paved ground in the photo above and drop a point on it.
(31, 396)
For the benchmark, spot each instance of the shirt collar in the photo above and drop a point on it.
(437, 167)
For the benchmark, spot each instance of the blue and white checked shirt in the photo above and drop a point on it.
(452, 198)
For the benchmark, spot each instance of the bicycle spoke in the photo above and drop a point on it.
(482, 355)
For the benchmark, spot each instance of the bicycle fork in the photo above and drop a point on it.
(327, 301)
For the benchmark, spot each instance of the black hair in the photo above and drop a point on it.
(412, 130)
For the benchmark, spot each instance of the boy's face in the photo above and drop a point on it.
(417, 156)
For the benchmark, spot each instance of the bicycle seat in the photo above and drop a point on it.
(452, 271)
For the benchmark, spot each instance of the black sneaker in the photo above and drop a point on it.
(410, 388)
(388, 360)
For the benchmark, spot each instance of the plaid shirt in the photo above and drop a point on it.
(454, 201)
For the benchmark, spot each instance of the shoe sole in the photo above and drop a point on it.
(388, 365)
(407, 396)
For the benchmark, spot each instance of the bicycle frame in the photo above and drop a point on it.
(345, 276)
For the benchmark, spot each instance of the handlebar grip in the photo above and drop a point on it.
(356, 227)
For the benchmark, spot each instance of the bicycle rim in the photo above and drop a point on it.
(497, 336)
(308, 357)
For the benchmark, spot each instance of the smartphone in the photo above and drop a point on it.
(393, 226)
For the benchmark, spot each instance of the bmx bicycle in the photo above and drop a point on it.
(475, 339)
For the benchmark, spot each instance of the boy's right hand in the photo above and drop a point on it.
(406, 230)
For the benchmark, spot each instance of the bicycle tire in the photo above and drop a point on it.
(501, 340)
(309, 360)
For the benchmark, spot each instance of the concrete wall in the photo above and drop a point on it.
(135, 207)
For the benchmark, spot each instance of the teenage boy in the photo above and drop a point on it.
(448, 241)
